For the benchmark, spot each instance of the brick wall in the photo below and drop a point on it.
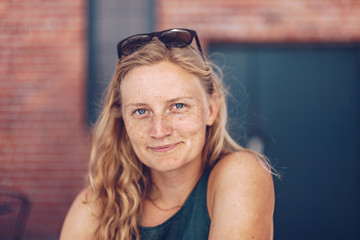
(264, 20)
(44, 143)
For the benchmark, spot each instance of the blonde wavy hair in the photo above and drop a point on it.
(117, 178)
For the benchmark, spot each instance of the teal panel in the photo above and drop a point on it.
(304, 104)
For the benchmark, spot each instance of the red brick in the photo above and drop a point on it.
(44, 145)
(264, 21)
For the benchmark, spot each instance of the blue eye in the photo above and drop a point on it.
(179, 105)
(140, 111)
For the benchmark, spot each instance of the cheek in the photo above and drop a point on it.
(135, 131)
(194, 124)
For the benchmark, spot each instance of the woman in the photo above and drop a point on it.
(163, 165)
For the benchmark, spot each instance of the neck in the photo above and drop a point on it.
(164, 209)
(170, 189)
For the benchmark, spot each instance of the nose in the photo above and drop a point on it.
(160, 126)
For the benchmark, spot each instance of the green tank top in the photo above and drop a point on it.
(192, 221)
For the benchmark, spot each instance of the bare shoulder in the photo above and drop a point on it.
(243, 164)
(80, 222)
(240, 198)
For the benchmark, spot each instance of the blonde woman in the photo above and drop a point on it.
(163, 165)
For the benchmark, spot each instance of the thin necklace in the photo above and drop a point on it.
(164, 209)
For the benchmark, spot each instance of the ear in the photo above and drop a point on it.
(214, 104)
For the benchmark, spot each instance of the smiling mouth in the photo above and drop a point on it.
(164, 148)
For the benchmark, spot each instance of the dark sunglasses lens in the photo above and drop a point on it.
(176, 38)
(132, 44)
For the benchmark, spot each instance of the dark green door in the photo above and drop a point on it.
(303, 106)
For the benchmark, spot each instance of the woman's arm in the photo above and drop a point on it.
(80, 222)
(240, 199)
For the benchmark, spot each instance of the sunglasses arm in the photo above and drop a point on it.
(198, 45)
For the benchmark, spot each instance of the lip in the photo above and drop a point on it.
(164, 148)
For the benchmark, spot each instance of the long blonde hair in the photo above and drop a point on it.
(118, 179)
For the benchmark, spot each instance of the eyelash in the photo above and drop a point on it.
(137, 111)
(142, 111)
(177, 107)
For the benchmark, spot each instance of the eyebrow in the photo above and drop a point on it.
(181, 99)
(191, 99)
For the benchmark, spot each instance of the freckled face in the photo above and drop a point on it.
(165, 111)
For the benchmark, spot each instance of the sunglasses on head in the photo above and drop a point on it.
(176, 37)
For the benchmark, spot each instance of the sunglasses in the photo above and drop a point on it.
(176, 37)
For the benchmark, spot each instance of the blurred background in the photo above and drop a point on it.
(292, 67)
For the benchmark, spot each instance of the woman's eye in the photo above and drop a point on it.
(140, 111)
(179, 105)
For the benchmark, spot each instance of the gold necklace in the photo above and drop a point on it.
(163, 209)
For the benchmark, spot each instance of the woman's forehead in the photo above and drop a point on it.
(163, 81)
